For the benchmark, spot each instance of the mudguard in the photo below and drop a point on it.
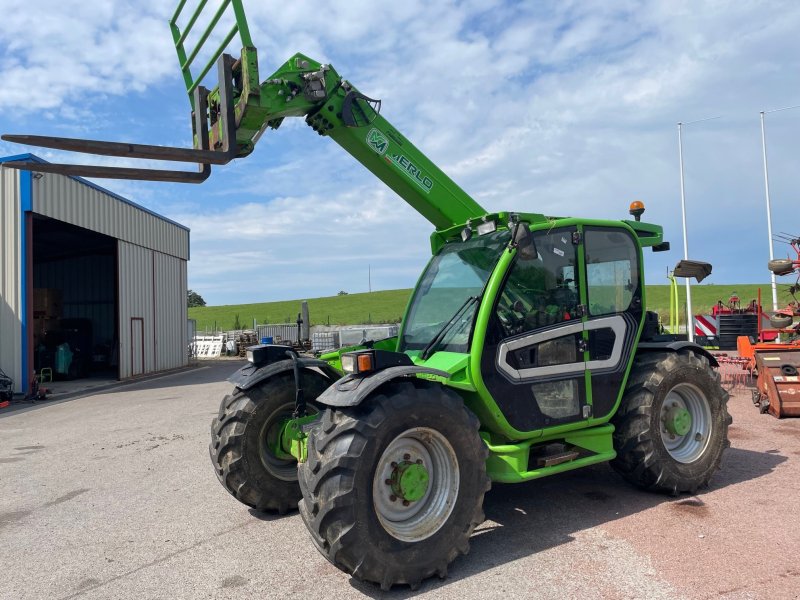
(250, 375)
(352, 389)
(677, 346)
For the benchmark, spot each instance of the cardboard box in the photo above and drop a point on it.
(47, 303)
(41, 326)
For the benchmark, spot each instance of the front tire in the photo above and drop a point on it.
(358, 513)
(672, 424)
(242, 434)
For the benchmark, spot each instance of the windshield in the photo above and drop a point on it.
(458, 271)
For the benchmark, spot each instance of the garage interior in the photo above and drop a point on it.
(75, 304)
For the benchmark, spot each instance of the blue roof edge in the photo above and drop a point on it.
(34, 158)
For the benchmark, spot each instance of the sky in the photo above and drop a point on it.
(565, 108)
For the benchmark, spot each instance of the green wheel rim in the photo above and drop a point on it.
(283, 469)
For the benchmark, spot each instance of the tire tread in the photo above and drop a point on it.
(336, 450)
(638, 459)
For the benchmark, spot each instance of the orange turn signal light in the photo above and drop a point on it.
(365, 363)
(369, 360)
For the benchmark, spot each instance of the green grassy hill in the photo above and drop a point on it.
(375, 307)
(388, 306)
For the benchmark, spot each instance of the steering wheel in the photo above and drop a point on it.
(513, 317)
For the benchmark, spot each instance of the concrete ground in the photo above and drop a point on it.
(113, 496)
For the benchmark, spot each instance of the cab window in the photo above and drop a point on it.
(540, 291)
(612, 270)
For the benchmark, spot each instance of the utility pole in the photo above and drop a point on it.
(769, 213)
(766, 193)
(369, 277)
(689, 312)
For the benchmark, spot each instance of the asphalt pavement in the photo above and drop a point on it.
(112, 495)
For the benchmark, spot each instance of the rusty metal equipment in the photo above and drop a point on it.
(6, 389)
(776, 364)
(777, 388)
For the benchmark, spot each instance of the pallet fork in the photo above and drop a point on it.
(218, 147)
(202, 153)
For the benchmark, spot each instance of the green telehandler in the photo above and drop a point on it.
(526, 348)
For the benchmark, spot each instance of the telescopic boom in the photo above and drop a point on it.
(229, 120)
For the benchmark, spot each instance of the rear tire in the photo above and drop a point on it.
(658, 448)
(347, 499)
(781, 266)
(244, 464)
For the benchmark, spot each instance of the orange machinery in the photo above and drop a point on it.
(778, 368)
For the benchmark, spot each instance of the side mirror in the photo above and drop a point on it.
(522, 239)
(692, 268)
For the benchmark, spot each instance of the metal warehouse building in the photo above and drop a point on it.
(89, 281)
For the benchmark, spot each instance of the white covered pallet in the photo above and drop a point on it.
(208, 346)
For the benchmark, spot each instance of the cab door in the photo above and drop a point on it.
(563, 328)
(614, 310)
(534, 356)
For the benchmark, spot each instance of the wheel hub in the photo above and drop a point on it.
(415, 485)
(686, 424)
(409, 480)
(678, 420)
(275, 437)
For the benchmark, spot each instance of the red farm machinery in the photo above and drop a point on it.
(774, 355)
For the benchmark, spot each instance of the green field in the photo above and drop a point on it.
(388, 306)
(373, 307)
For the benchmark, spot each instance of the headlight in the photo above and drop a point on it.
(265, 354)
(358, 362)
(487, 227)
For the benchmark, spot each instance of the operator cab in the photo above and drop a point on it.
(562, 327)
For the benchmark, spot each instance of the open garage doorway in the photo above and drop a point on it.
(74, 308)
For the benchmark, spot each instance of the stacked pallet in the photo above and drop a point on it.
(246, 339)
(735, 325)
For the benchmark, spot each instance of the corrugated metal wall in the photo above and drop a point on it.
(136, 310)
(10, 276)
(170, 311)
(152, 311)
(71, 201)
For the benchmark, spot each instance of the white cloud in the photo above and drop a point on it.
(57, 52)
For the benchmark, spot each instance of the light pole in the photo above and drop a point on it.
(766, 193)
(689, 313)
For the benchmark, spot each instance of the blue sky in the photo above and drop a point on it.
(553, 107)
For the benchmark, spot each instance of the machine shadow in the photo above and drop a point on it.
(206, 372)
(527, 518)
(211, 371)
